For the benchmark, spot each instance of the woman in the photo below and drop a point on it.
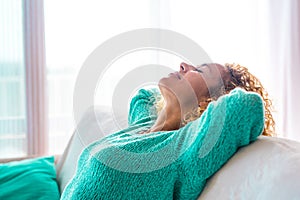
(170, 155)
(220, 80)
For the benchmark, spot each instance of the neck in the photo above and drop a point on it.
(170, 118)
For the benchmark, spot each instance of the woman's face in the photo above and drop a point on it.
(192, 84)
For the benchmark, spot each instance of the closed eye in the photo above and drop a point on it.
(198, 70)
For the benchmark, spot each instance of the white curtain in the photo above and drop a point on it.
(74, 29)
(260, 34)
(34, 53)
(284, 68)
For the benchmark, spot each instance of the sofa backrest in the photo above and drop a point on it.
(95, 124)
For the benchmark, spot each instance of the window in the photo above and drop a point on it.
(27, 125)
(22, 110)
(70, 38)
(36, 113)
(13, 138)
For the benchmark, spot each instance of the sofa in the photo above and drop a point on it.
(266, 169)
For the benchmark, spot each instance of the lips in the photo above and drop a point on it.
(176, 75)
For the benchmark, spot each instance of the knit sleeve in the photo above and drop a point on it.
(233, 121)
(142, 105)
(168, 164)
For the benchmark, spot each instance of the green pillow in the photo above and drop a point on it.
(29, 179)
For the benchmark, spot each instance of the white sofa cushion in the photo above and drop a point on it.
(266, 169)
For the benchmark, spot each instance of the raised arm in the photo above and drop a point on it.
(233, 121)
(142, 105)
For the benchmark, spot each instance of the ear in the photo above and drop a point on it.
(227, 76)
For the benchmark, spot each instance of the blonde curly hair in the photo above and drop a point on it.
(239, 77)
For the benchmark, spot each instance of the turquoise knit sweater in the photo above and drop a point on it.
(169, 164)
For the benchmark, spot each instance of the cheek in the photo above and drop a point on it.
(200, 88)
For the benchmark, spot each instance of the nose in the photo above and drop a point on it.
(185, 67)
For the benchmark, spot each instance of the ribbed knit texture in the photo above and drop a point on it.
(170, 164)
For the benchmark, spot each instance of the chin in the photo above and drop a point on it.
(162, 80)
(167, 81)
(167, 87)
(164, 83)
(161, 85)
